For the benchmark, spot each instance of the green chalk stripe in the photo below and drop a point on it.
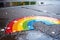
(25, 27)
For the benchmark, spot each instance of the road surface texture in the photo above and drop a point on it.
(42, 31)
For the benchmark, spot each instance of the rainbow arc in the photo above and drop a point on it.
(26, 23)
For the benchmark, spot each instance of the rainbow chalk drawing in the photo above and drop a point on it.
(26, 23)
